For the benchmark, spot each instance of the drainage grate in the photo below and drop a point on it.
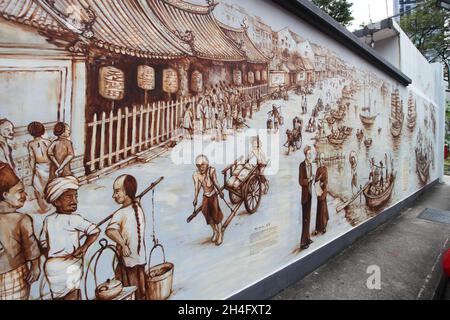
(435, 215)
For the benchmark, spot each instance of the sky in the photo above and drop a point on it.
(360, 11)
(377, 11)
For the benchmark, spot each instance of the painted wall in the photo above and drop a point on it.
(255, 245)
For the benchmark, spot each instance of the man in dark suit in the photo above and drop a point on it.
(306, 179)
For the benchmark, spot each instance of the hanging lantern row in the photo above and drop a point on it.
(112, 80)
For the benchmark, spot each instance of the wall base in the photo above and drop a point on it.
(280, 280)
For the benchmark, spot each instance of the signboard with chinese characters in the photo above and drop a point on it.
(237, 77)
(111, 83)
(277, 78)
(146, 77)
(197, 81)
(170, 80)
(251, 77)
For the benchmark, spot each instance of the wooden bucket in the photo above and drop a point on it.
(159, 278)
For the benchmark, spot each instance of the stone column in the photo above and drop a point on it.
(78, 113)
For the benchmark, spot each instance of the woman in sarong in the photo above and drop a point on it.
(39, 162)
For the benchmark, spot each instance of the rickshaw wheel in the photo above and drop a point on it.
(252, 194)
(234, 198)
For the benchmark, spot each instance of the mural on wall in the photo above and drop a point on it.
(174, 156)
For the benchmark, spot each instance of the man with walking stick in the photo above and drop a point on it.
(205, 178)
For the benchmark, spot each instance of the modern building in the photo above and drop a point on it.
(402, 7)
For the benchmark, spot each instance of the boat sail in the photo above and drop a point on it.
(412, 113)
(366, 117)
(423, 159)
(397, 115)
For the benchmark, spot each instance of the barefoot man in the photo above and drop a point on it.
(205, 178)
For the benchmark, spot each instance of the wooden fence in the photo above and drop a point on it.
(126, 132)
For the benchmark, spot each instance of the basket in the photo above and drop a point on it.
(159, 278)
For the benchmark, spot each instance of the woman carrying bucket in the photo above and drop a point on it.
(127, 229)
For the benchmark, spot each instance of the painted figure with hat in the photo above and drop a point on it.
(127, 230)
(206, 178)
(39, 162)
(321, 181)
(60, 239)
(306, 179)
(6, 138)
(19, 249)
(61, 152)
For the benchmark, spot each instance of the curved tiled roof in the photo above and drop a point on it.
(29, 12)
(126, 27)
(242, 40)
(196, 22)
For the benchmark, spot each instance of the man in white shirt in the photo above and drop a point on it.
(127, 230)
(60, 239)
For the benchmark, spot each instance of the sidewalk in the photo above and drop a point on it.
(407, 250)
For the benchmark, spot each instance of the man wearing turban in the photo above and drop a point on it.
(60, 238)
(19, 250)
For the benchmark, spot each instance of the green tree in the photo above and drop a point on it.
(428, 27)
(340, 10)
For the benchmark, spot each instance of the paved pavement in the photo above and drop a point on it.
(407, 250)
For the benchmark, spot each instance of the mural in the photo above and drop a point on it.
(165, 149)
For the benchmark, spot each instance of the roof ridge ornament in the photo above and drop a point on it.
(186, 36)
(82, 27)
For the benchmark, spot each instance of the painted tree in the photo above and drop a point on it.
(428, 27)
(340, 10)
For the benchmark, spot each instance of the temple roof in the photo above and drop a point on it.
(243, 41)
(125, 27)
(196, 25)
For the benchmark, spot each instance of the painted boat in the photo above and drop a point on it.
(376, 201)
(412, 114)
(335, 140)
(367, 120)
(397, 115)
(338, 114)
(422, 168)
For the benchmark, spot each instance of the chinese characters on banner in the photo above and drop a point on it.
(111, 83)
(146, 77)
(197, 81)
(237, 77)
(170, 80)
(251, 77)
(264, 75)
(258, 75)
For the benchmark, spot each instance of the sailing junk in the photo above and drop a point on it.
(422, 160)
(412, 113)
(397, 115)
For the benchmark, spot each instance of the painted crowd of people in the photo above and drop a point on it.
(222, 108)
(60, 241)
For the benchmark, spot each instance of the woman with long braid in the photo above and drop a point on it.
(127, 230)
